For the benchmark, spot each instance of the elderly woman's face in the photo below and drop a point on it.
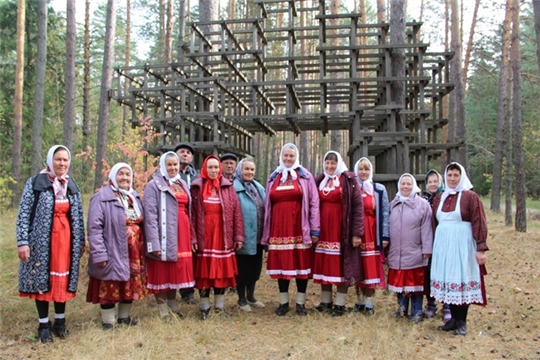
(363, 172)
(288, 157)
(406, 186)
(453, 177)
(248, 170)
(123, 178)
(171, 165)
(432, 183)
(60, 162)
(330, 166)
(212, 167)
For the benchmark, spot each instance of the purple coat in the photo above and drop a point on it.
(161, 219)
(411, 233)
(107, 236)
(310, 207)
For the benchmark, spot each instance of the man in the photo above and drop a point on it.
(229, 162)
(188, 173)
(185, 154)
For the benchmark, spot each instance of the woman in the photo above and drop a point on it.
(116, 264)
(168, 235)
(50, 240)
(434, 185)
(251, 196)
(337, 254)
(217, 232)
(376, 236)
(411, 240)
(291, 218)
(458, 265)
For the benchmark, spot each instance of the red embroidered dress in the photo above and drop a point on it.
(327, 261)
(288, 256)
(215, 266)
(371, 256)
(168, 275)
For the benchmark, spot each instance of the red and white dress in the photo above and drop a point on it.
(288, 256)
(370, 254)
(215, 266)
(169, 275)
(327, 260)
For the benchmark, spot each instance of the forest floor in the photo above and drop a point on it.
(508, 328)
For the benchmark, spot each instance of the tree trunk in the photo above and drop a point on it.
(515, 56)
(446, 99)
(335, 135)
(86, 82)
(127, 58)
(470, 44)
(181, 29)
(104, 100)
(208, 11)
(69, 101)
(231, 9)
(502, 113)
(18, 103)
(381, 11)
(162, 27)
(39, 95)
(509, 156)
(536, 9)
(168, 32)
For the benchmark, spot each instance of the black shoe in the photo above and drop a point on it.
(449, 325)
(461, 328)
(358, 308)
(282, 309)
(338, 310)
(369, 311)
(44, 333)
(204, 313)
(107, 326)
(323, 307)
(59, 328)
(301, 310)
(127, 321)
(179, 314)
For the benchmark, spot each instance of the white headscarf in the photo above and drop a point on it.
(367, 185)
(163, 167)
(128, 193)
(464, 183)
(59, 183)
(415, 189)
(341, 167)
(286, 171)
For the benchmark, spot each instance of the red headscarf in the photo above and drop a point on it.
(209, 183)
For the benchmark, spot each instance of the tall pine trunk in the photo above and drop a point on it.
(86, 86)
(69, 104)
(536, 9)
(18, 103)
(470, 44)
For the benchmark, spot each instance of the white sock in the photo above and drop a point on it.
(60, 316)
(163, 309)
(205, 303)
(219, 301)
(283, 298)
(360, 299)
(341, 298)
(370, 300)
(301, 298)
(172, 304)
(326, 297)
(124, 310)
(44, 320)
(107, 316)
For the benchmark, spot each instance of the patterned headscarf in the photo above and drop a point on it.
(163, 167)
(415, 189)
(129, 192)
(341, 167)
(367, 185)
(59, 183)
(464, 183)
(439, 180)
(208, 183)
(286, 171)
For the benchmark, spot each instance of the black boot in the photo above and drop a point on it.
(59, 328)
(449, 325)
(44, 333)
(282, 309)
(461, 328)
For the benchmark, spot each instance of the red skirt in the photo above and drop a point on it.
(406, 281)
(288, 256)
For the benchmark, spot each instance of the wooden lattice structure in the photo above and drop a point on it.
(242, 76)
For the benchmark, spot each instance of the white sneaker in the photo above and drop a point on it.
(257, 304)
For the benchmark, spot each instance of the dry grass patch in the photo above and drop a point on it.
(507, 328)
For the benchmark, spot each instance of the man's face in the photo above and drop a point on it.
(229, 166)
(185, 156)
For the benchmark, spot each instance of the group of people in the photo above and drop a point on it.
(209, 231)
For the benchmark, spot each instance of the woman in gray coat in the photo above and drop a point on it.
(50, 240)
(116, 264)
(410, 246)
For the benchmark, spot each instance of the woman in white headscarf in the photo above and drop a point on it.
(291, 221)
(337, 254)
(50, 240)
(167, 234)
(376, 236)
(117, 263)
(411, 239)
(458, 264)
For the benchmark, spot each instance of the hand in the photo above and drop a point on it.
(481, 257)
(426, 256)
(314, 239)
(238, 245)
(24, 253)
(356, 241)
(156, 253)
(101, 264)
(194, 247)
(385, 244)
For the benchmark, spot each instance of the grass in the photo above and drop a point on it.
(509, 327)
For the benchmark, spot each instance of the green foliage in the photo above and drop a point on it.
(6, 192)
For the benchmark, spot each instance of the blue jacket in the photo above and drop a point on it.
(249, 215)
